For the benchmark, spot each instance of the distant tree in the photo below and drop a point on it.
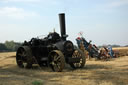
(17, 45)
(115, 45)
(2, 47)
(126, 45)
(104, 45)
(11, 45)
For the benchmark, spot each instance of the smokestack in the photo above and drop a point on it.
(62, 26)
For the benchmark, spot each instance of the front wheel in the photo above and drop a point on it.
(56, 60)
(78, 54)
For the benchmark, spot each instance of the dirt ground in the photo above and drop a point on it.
(113, 72)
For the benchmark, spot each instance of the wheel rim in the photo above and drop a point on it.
(56, 61)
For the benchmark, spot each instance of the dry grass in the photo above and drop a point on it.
(7, 54)
(123, 51)
(114, 72)
(120, 48)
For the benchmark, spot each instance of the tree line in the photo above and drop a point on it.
(13, 46)
(114, 45)
(9, 46)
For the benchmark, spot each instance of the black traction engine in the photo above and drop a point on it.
(53, 51)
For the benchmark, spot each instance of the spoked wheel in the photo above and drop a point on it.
(78, 54)
(22, 57)
(56, 60)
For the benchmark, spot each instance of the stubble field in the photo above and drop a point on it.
(113, 72)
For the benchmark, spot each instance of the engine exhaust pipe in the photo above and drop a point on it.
(62, 26)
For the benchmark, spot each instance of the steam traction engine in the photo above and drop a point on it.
(53, 50)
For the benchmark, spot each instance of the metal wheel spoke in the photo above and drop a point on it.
(58, 59)
(19, 54)
(52, 63)
(19, 60)
(24, 54)
(55, 57)
(74, 55)
(58, 66)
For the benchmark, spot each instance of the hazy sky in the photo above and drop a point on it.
(102, 21)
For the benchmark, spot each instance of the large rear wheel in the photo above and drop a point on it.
(23, 55)
(56, 60)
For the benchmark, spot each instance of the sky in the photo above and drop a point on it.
(102, 21)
